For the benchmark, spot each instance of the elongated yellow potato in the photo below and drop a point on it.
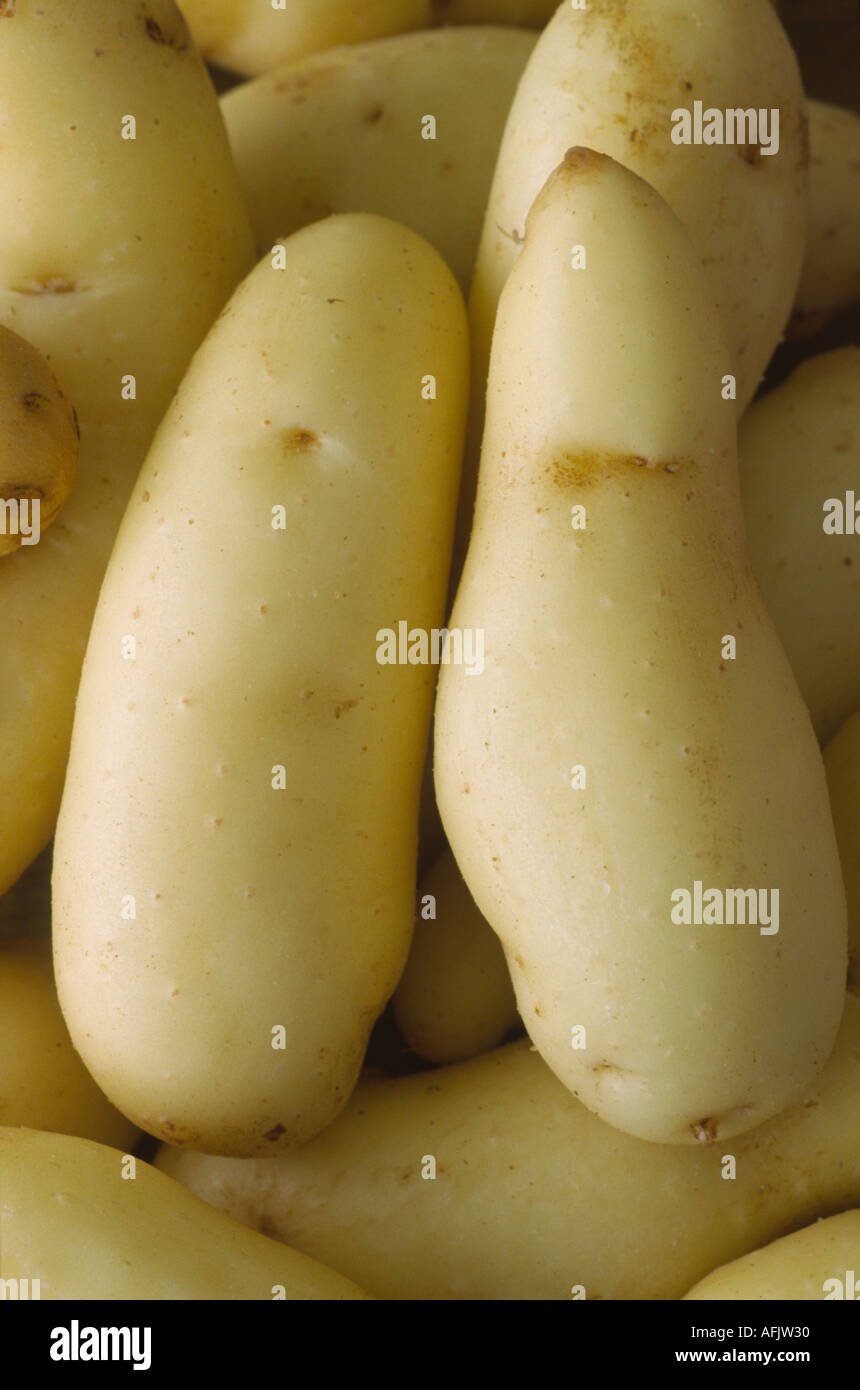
(632, 788)
(830, 278)
(254, 38)
(43, 1082)
(455, 998)
(408, 127)
(115, 256)
(89, 1222)
(38, 444)
(842, 766)
(820, 1262)
(534, 1197)
(800, 483)
(612, 77)
(234, 866)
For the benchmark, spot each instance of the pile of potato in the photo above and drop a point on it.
(371, 658)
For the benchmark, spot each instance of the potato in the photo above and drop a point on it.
(800, 484)
(76, 1220)
(115, 257)
(455, 998)
(38, 443)
(842, 766)
(253, 39)
(534, 1197)
(830, 279)
(611, 78)
(43, 1082)
(255, 806)
(342, 132)
(636, 731)
(821, 1262)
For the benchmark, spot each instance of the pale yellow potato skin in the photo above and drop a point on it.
(455, 997)
(534, 1195)
(830, 278)
(115, 257)
(842, 766)
(254, 38)
(341, 132)
(796, 1267)
(38, 434)
(257, 648)
(609, 77)
(604, 650)
(71, 1220)
(799, 446)
(43, 1082)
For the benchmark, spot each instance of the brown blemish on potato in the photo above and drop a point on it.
(343, 706)
(581, 161)
(589, 468)
(751, 154)
(23, 491)
(298, 439)
(49, 284)
(516, 237)
(8, 8)
(375, 114)
(176, 38)
(704, 1130)
(34, 401)
(274, 1133)
(266, 1227)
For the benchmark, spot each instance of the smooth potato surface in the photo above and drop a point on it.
(607, 659)
(254, 38)
(819, 1262)
(115, 256)
(72, 1220)
(43, 1082)
(251, 778)
(533, 1194)
(799, 449)
(341, 131)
